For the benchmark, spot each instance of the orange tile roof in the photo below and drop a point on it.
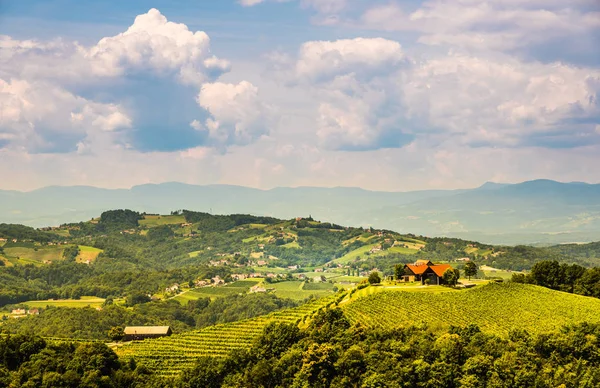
(439, 269)
(417, 269)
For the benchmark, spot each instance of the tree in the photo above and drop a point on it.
(137, 298)
(470, 269)
(589, 283)
(116, 333)
(547, 274)
(398, 271)
(451, 276)
(374, 278)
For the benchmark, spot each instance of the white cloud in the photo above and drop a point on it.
(250, 3)
(237, 114)
(161, 46)
(39, 116)
(366, 58)
(326, 6)
(41, 82)
(503, 103)
(487, 25)
(322, 6)
(370, 95)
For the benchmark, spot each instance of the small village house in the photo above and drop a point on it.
(18, 311)
(133, 333)
(257, 288)
(423, 270)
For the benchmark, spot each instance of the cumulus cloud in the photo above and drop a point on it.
(508, 26)
(372, 95)
(156, 44)
(57, 95)
(363, 57)
(237, 114)
(40, 116)
(505, 103)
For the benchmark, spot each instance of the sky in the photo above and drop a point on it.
(391, 95)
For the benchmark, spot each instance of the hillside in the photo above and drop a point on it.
(170, 355)
(123, 251)
(540, 211)
(495, 308)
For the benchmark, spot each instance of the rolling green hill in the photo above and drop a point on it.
(170, 355)
(495, 308)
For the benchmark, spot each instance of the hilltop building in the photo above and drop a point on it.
(423, 270)
(142, 332)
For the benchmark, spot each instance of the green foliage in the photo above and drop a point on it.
(75, 323)
(160, 232)
(374, 278)
(22, 232)
(116, 333)
(119, 219)
(29, 361)
(470, 269)
(564, 277)
(451, 276)
(351, 356)
(70, 253)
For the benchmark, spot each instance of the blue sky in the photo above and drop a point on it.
(385, 95)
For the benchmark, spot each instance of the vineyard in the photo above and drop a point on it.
(495, 308)
(170, 355)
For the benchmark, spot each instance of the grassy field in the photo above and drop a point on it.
(36, 255)
(495, 308)
(498, 273)
(239, 287)
(351, 256)
(293, 244)
(91, 301)
(299, 290)
(161, 220)
(87, 253)
(323, 286)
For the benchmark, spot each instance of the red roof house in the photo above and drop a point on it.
(423, 270)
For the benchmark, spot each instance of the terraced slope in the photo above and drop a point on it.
(170, 355)
(496, 308)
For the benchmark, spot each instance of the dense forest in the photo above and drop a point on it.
(330, 352)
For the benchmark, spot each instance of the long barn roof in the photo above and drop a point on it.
(132, 330)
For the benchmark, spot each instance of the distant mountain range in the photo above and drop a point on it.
(539, 211)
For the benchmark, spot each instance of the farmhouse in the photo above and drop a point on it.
(423, 270)
(143, 332)
(257, 288)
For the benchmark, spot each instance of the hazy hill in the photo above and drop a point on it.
(540, 211)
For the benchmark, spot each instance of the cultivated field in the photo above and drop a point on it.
(87, 253)
(161, 220)
(496, 308)
(239, 287)
(33, 255)
(85, 301)
(168, 356)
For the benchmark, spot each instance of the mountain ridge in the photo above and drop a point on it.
(538, 211)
